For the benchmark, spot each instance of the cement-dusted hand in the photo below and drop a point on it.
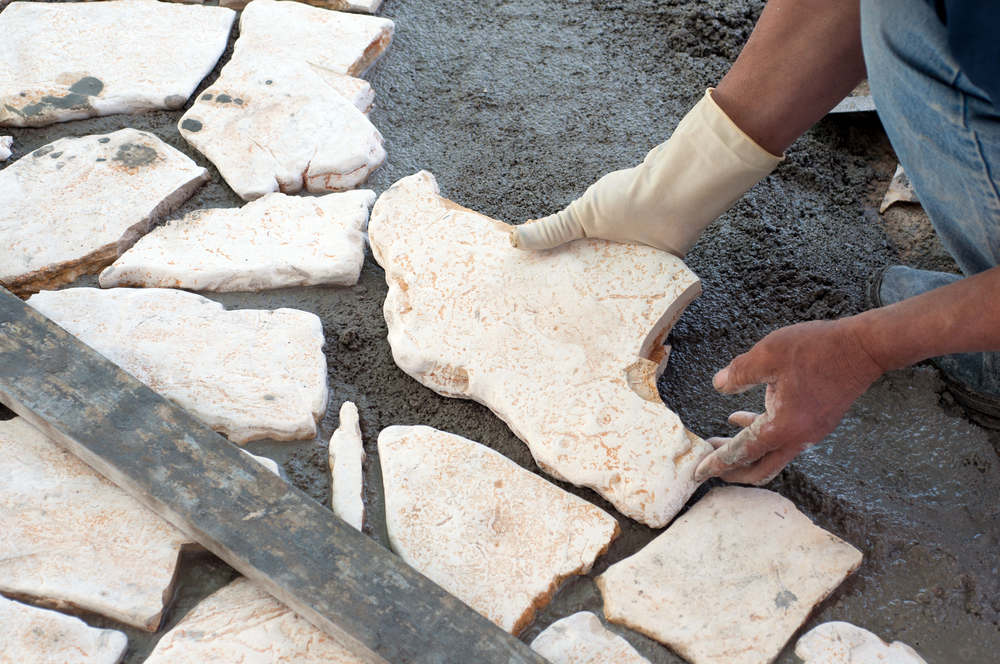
(669, 199)
(814, 371)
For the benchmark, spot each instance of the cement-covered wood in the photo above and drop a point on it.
(295, 548)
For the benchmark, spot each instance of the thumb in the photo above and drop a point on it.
(742, 374)
(548, 232)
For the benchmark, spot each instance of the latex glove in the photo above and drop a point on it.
(814, 371)
(669, 199)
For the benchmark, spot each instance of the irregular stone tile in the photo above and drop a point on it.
(859, 101)
(496, 536)
(361, 6)
(75, 205)
(243, 623)
(247, 374)
(731, 580)
(563, 345)
(274, 242)
(271, 124)
(270, 464)
(67, 61)
(70, 538)
(347, 454)
(582, 639)
(843, 643)
(6, 142)
(900, 190)
(30, 635)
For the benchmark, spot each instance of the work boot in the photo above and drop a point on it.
(972, 378)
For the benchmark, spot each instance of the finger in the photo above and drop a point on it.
(764, 469)
(716, 443)
(742, 374)
(546, 233)
(736, 453)
(743, 418)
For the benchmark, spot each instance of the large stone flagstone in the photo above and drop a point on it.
(75, 205)
(731, 580)
(843, 643)
(582, 639)
(247, 374)
(347, 456)
(70, 538)
(563, 345)
(361, 6)
(243, 623)
(66, 61)
(496, 536)
(29, 635)
(274, 242)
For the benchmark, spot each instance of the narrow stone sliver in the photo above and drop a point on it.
(347, 454)
(582, 639)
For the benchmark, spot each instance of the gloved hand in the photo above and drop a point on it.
(669, 199)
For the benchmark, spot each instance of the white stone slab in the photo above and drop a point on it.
(347, 455)
(70, 538)
(496, 536)
(563, 345)
(66, 61)
(29, 635)
(248, 374)
(900, 190)
(843, 643)
(6, 142)
(243, 623)
(271, 124)
(582, 639)
(731, 580)
(274, 242)
(75, 205)
(361, 6)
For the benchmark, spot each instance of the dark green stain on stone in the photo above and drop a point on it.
(191, 125)
(104, 140)
(133, 155)
(101, 159)
(224, 99)
(87, 86)
(238, 101)
(56, 155)
(207, 96)
(41, 152)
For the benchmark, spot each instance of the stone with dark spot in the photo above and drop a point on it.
(87, 86)
(224, 99)
(56, 155)
(41, 152)
(173, 102)
(103, 140)
(206, 97)
(134, 155)
(191, 125)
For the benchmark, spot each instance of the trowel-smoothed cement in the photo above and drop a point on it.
(517, 107)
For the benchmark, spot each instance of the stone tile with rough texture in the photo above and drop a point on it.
(73, 206)
(496, 536)
(72, 60)
(360, 6)
(582, 639)
(347, 455)
(563, 345)
(731, 580)
(277, 241)
(6, 143)
(843, 643)
(247, 374)
(70, 538)
(29, 635)
(243, 623)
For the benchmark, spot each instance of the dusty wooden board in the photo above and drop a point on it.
(320, 567)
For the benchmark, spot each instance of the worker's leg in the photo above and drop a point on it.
(946, 133)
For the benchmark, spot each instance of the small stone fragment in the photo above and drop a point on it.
(243, 623)
(247, 374)
(274, 242)
(496, 536)
(67, 61)
(29, 635)
(271, 124)
(270, 464)
(347, 454)
(843, 643)
(563, 345)
(70, 538)
(859, 101)
(6, 142)
(731, 580)
(900, 190)
(74, 206)
(582, 639)
(360, 6)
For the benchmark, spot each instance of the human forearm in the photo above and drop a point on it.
(803, 57)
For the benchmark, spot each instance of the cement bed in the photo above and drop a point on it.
(517, 106)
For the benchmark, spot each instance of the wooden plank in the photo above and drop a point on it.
(329, 573)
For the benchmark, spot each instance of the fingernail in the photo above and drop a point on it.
(701, 475)
(720, 379)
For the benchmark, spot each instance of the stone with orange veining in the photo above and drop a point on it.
(347, 455)
(69, 537)
(582, 639)
(248, 374)
(29, 635)
(731, 580)
(73, 206)
(564, 345)
(496, 536)
(843, 643)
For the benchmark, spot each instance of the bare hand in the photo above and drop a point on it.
(814, 371)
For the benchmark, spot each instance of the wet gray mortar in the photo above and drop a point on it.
(516, 107)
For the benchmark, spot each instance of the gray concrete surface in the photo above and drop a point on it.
(517, 106)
